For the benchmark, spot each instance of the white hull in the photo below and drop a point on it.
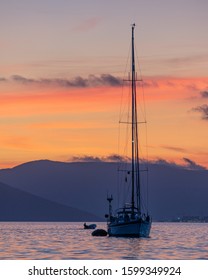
(134, 229)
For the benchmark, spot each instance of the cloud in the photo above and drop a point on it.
(87, 24)
(85, 158)
(116, 158)
(176, 149)
(189, 164)
(106, 80)
(150, 83)
(23, 80)
(204, 94)
(203, 109)
(109, 158)
(77, 82)
(2, 79)
(110, 80)
(187, 60)
(161, 161)
(193, 165)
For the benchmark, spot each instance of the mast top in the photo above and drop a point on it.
(133, 26)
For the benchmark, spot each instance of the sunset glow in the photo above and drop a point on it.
(60, 95)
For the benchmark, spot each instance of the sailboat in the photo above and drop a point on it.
(130, 220)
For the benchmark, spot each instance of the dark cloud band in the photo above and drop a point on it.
(77, 82)
(203, 109)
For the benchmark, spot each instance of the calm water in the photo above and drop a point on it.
(70, 241)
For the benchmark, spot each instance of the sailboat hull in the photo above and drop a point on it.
(131, 229)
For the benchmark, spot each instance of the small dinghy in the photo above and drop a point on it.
(91, 226)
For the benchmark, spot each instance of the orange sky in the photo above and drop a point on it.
(59, 123)
(62, 64)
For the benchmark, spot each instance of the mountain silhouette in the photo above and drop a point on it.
(80, 185)
(173, 190)
(17, 205)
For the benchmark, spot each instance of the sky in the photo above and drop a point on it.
(61, 67)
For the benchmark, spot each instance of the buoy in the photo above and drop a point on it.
(99, 232)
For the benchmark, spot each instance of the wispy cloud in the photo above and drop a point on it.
(204, 94)
(203, 109)
(161, 161)
(109, 158)
(185, 62)
(23, 80)
(150, 83)
(86, 158)
(87, 24)
(2, 79)
(190, 164)
(176, 149)
(79, 82)
(188, 59)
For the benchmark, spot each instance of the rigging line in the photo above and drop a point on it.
(138, 179)
(124, 164)
(125, 154)
(127, 131)
(124, 74)
(143, 110)
(146, 144)
(138, 150)
(121, 115)
(147, 164)
(146, 128)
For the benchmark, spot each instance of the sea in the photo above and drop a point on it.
(70, 241)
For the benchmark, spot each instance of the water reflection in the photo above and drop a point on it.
(71, 241)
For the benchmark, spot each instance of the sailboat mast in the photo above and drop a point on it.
(133, 89)
(129, 220)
